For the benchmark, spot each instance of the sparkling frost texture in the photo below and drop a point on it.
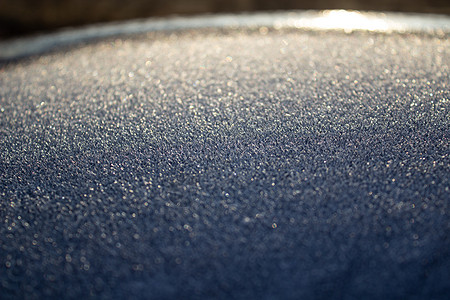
(242, 164)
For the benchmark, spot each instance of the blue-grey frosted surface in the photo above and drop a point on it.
(242, 164)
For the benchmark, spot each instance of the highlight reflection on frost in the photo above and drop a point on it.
(349, 20)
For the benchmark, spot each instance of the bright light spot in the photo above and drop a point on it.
(348, 21)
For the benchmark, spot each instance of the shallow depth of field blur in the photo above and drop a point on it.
(23, 17)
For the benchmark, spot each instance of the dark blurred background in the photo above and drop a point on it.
(19, 17)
